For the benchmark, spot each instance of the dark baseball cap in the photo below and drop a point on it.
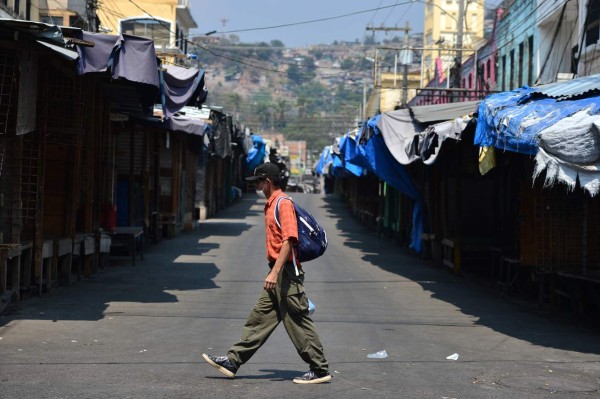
(266, 170)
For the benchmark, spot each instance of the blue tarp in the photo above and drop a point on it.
(324, 160)
(348, 150)
(383, 164)
(256, 155)
(374, 156)
(512, 120)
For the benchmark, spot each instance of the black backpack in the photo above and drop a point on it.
(312, 239)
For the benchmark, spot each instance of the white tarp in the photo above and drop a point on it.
(570, 150)
(409, 141)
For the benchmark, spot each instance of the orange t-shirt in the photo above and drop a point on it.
(289, 228)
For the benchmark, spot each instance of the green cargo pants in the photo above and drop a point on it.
(287, 304)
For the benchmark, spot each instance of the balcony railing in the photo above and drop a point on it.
(437, 95)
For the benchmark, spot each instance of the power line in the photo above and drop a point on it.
(313, 20)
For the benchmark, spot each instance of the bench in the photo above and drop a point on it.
(125, 238)
(454, 250)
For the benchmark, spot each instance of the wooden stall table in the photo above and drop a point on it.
(15, 271)
(578, 286)
(125, 237)
(43, 271)
(62, 260)
(455, 250)
(84, 247)
(103, 242)
(168, 221)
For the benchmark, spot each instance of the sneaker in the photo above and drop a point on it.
(311, 377)
(222, 364)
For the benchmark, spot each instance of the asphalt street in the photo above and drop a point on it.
(139, 331)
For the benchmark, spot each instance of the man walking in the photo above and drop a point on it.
(283, 298)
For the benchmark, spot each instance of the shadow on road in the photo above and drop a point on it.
(178, 264)
(489, 308)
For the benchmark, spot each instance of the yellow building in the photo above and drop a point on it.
(387, 96)
(441, 29)
(167, 22)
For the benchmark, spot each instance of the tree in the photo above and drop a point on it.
(264, 53)
(280, 107)
(294, 74)
(347, 64)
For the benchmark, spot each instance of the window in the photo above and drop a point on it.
(592, 23)
(489, 69)
(511, 76)
(48, 19)
(504, 73)
(520, 71)
(75, 21)
(158, 31)
(448, 24)
(530, 64)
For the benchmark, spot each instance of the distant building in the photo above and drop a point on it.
(441, 31)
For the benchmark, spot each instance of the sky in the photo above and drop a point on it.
(252, 14)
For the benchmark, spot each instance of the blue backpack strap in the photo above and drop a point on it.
(276, 211)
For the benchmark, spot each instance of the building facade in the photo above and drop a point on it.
(441, 32)
(167, 23)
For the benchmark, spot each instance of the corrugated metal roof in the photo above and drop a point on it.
(443, 112)
(570, 88)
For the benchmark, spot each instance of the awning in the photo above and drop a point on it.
(128, 57)
(134, 59)
(562, 131)
(181, 87)
(443, 112)
(61, 50)
(570, 88)
(380, 161)
(409, 141)
(512, 120)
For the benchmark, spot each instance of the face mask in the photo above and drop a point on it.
(261, 194)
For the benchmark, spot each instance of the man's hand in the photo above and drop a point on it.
(284, 253)
(270, 281)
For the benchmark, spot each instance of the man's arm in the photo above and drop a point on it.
(284, 253)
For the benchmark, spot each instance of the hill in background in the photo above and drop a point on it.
(313, 94)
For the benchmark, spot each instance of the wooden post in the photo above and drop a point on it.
(39, 213)
(131, 176)
(17, 211)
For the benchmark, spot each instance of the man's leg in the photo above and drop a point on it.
(293, 310)
(262, 321)
(303, 333)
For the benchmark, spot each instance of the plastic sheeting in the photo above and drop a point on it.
(381, 162)
(409, 141)
(257, 153)
(512, 120)
(348, 149)
(570, 151)
(134, 59)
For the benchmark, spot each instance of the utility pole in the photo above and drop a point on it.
(459, 44)
(405, 61)
(384, 29)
